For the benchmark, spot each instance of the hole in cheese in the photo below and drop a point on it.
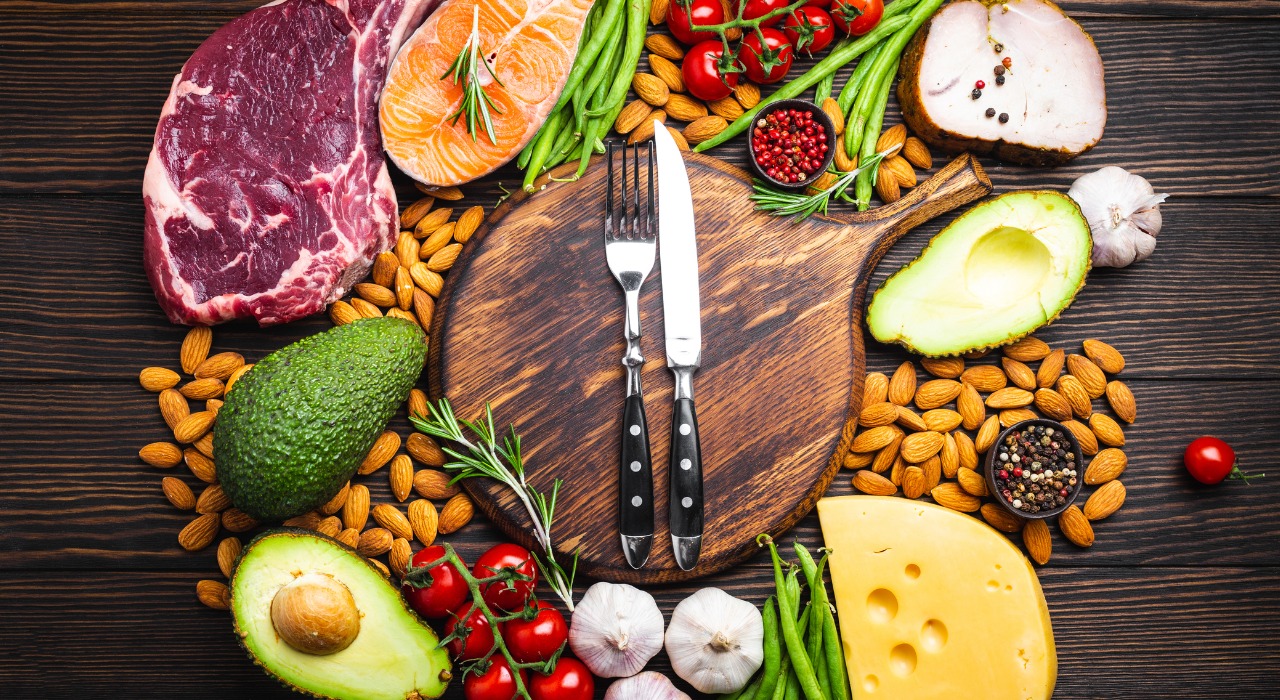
(902, 660)
(933, 636)
(882, 605)
(913, 571)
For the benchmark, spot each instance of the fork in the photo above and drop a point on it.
(629, 246)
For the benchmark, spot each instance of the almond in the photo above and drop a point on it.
(941, 420)
(199, 533)
(966, 451)
(969, 404)
(875, 389)
(747, 93)
(1107, 430)
(450, 193)
(833, 112)
(899, 468)
(917, 447)
(1010, 397)
(632, 115)
(910, 420)
(219, 366)
(384, 448)
(173, 407)
(407, 247)
(949, 456)
(213, 500)
(1029, 349)
(422, 448)
(195, 348)
(399, 556)
(202, 389)
(426, 280)
(374, 542)
(443, 259)
(872, 483)
(194, 426)
(950, 495)
(943, 367)
(913, 482)
(858, 460)
(178, 493)
(213, 594)
(886, 455)
(228, 551)
(201, 466)
(468, 224)
(877, 414)
(1012, 416)
(650, 88)
(166, 455)
(455, 514)
(972, 482)
(355, 512)
(333, 505)
(424, 308)
(306, 521)
(932, 469)
(413, 213)
(1122, 402)
(916, 153)
(1018, 373)
(902, 386)
(706, 127)
(205, 445)
(644, 131)
(424, 520)
(670, 74)
(1105, 501)
(1076, 395)
(1036, 538)
(936, 392)
(401, 477)
(365, 309)
(390, 517)
(330, 526)
(430, 225)
(213, 405)
(1075, 527)
(435, 242)
(658, 12)
(843, 162)
(892, 140)
(987, 435)
(341, 313)
(433, 484)
(1050, 368)
(1053, 404)
(403, 315)
(901, 170)
(158, 379)
(985, 378)
(684, 108)
(1094, 381)
(886, 184)
(876, 438)
(1001, 519)
(1088, 441)
(663, 45)
(1107, 358)
(403, 285)
(678, 138)
(350, 537)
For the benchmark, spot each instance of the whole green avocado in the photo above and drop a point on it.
(295, 428)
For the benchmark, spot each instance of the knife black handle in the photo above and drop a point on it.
(685, 506)
(635, 473)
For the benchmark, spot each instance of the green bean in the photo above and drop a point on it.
(863, 183)
(828, 65)
(746, 693)
(824, 676)
(897, 8)
(784, 674)
(772, 652)
(637, 27)
(799, 660)
(587, 54)
(859, 76)
(823, 91)
(791, 691)
(544, 142)
(838, 681)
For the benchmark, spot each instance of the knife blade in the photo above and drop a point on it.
(681, 310)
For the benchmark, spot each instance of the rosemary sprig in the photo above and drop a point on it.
(465, 73)
(801, 205)
(486, 457)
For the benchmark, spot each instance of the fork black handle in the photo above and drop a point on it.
(635, 483)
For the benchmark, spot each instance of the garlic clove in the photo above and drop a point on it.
(1123, 212)
(715, 641)
(649, 685)
(616, 630)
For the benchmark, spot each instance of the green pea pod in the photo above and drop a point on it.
(772, 652)
(795, 646)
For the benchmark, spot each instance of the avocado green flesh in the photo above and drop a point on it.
(295, 428)
(393, 656)
(1003, 269)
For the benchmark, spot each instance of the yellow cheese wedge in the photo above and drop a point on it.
(934, 604)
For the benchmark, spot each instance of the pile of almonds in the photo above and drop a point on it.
(938, 451)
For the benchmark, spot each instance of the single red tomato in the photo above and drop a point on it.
(682, 19)
(446, 592)
(498, 683)
(507, 595)
(824, 4)
(760, 8)
(569, 680)
(478, 634)
(708, 74)
(857, 17)
(809, 29)
(1210, 460)
(767, 63)
(536, 639)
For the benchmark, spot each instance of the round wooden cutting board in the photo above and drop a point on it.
(531, 321)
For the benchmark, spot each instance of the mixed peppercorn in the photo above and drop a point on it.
(789, 145)
(1035, 469)
(1000, 69)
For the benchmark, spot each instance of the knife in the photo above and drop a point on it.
(681, 309)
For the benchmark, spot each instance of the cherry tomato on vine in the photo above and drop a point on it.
(767, 63)
(507, 595)
(447, 592)
(479, 635)
(537, 639)
(856, 17)
(809, 29)
(760, 8)
(707, 74)
(569, 680)
(824, 4)
(498, 683)
(681, 19)
(1210, 461)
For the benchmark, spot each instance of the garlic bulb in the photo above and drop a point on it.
(616, 630)
(715, 641)
(649, 685)
(1123, 211)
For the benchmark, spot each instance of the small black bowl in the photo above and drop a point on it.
(991, 472)
(819, 116)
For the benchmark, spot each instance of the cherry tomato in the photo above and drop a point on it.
(769, 63)
(569, 680)
(702, 72)
(447, 591)
(479, 635)
(857, 17)
(824, 4)
(760, 8)
(538, 639)
(507, 595)
(498, 683)
(680, 20)
(1210, 461)
(809, 29)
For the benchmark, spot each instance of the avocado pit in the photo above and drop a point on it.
(315, 614)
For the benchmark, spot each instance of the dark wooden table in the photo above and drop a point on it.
(1180, 597)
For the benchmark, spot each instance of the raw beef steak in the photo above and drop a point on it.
(266, 191)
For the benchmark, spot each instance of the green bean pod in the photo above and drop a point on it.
(863, 183)
(823, 91)
(608, 28)
(859, 76)
(791, 689)
(795, 646)
(838, 682)
(772, 653)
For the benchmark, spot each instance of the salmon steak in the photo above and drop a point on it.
(530, 46)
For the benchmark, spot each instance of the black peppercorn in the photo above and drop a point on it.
(991, 112)
(999, 80)
(976, 93)
(1004, 117)
(998, 47)
(999, 69)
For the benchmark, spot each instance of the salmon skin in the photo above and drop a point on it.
(531, 45)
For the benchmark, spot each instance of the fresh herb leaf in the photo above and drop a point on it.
(465, 73)
(801, 205)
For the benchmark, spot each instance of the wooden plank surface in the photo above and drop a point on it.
(1179, 597)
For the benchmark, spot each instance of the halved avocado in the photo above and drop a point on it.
(1003, 269)
(323, 621)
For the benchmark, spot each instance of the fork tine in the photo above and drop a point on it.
(608, 193)
(649, 226)
(635, 153)
(624, 231)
